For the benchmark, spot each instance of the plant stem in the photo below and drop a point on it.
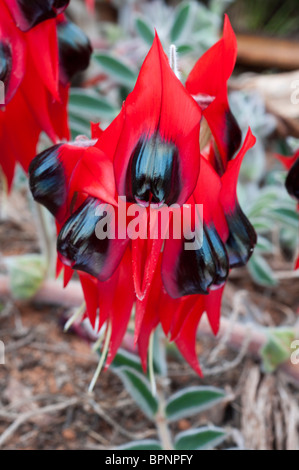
(47, 241)
(162, 424)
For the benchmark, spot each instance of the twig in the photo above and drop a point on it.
(30, 414)
(99, 411)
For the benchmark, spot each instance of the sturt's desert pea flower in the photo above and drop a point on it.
(149, 162)
(39, 53)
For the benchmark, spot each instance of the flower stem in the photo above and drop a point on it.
(162, 424)
(102, 358)
(47, 241)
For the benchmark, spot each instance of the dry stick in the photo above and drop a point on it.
(52, 292)
(30, 414)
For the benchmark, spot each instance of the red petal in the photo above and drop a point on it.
(287, 162)
(59, 113)
(230, 177)
(90, 291)
(209, 77)
(43, 48)
(119, 294)
(94, 175)
(148, 310)
(36, 97)
(16, 42)
(18, 119)
(213, 308)
(207, 193)
(186, 341)
(213, 69)
(95, 130)
(149, 109)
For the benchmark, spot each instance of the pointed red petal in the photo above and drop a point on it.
(121, 293)
(149, 112)
(90, 291)
(36, 96)
(213, 69)
(230, 177)
(67, 275)
(186, 341)
(287, 162)
(209, 77)
(213, 308)
(148, 310)
(59, 113)
(94, 175)
(95, 130)
(145, 252)
(185, 306)
(43, 48)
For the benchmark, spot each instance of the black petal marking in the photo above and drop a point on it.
(74, 50)
(153, 173)
(242, 238)
(233, 134)
(292, 181)
(5, 62)
(36, 11)
(47, 180)
(77, 241)
(199, 269)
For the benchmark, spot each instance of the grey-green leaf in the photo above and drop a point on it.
(124, 358)
(184, 49)
(285, 215)
(260, 271)
(200, 438)
(90, 105)
(180, 22)
(146, 444)
(140, 390)
(264, 245)
(144, 29)
(116, 68)
(192, 400)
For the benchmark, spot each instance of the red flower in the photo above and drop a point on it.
(150, 154)
(207, 82)
(36, 73)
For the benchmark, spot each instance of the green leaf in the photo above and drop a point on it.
(264, 245)
(116, 68)
(185, 49)
(278, 347)
(124, 358)
(90, 105)
(260, 224)
(26, 274)
(144, 29)
(192, 400)
(260, 271)
(199, 439)
(180, 22)
(140, 390)
(285, 216)
(79, 126)
(146, 444)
